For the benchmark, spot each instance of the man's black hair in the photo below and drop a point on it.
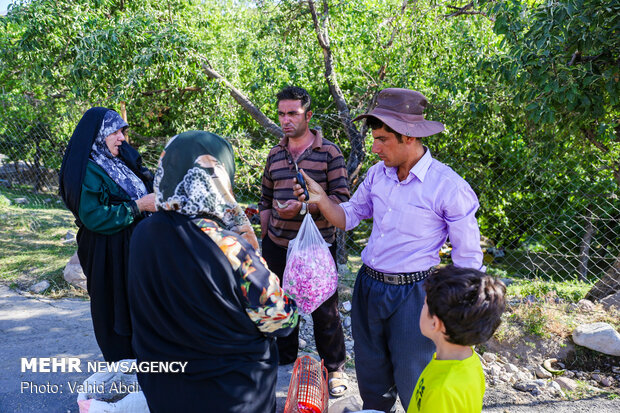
(295, 93)
(376, 123)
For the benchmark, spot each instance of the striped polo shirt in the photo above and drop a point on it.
(324, 163)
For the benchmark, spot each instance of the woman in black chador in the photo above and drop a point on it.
(104, 185)
(199, 292)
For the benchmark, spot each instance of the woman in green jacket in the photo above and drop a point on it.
(104, 185)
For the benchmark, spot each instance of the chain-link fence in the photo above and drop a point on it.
(546, 211)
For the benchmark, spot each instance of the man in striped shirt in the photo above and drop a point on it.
(281, 215)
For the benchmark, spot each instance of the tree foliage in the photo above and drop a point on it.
(528, 90)
(563, 60)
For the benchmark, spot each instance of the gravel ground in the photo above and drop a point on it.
(33, 326)
(498, 398)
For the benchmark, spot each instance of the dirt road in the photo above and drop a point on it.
(32, 326)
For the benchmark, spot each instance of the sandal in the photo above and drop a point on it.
(338, 383)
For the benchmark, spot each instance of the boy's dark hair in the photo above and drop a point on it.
(469, 302)
(295, 93)
(376, 123)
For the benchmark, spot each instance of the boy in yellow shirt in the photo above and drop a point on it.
(463, 307)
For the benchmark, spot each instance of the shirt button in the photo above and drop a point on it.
(389, 209)
(373, 260)
(382, 235)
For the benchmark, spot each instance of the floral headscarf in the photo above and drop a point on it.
(113, 165)
(194, 177)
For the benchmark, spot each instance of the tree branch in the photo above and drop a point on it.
(134, 134)
(253, 158)
(319, 27)
(590, 136)
(577, 58)
(61, 55)
(242, 100)
(573, 58)
(383, 69)
(181, 89)
(395, 30)
(357, 154)
(465, 10)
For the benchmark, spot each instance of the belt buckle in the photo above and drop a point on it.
(391, 279)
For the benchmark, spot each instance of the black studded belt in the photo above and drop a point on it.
(397, 279)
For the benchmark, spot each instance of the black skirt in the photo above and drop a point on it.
(105, 259)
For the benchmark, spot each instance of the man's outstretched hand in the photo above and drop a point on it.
(314, 190)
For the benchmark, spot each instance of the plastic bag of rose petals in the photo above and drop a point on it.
(310, 276)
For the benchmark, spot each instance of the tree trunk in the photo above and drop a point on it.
(16, 174)
(124, 111)
(584, 254)
(609, 284)
(357, 154)
(355, 136)
(124, 116)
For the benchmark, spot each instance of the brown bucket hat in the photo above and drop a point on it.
(402, 110)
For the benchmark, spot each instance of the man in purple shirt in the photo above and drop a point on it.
(416, 203)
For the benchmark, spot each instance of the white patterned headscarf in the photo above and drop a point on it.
(113, 165)
(194, 178)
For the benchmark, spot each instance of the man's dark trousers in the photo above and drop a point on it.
(390, 350)
(328, 334)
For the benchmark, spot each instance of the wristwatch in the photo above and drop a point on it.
(303, 209)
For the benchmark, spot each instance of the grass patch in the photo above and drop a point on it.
(534, 319)
(9, 196)
(31, 248)
(507, 331)
(546, 319)
(570, 291)
(543, 328)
